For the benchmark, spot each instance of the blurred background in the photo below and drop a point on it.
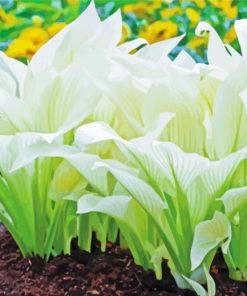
(26, 25)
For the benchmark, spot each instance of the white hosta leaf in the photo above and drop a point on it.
(15, 69)
(211, 183)
(67, 183)
(186, 129)
(233, 51)
(59, 50)
(108, 111)
(219, 173)
(82, 162)
(138, 150)
(229, 114)
(234, 199)
(68, 109)
(154, 52)
(6, 158)
(93, 133)
(241, 30)
(217, 53)
(208, 87)
(115, 206)
(7, 83)
(154, 131)
(184, 60)
(138, 189)
(243, 96)
(181, 167)
(57, 106)
(131, 45)
(39, 149)
(97, 178)
(112, 29)
(209, 143)
(208, 236)
(126, 91)
(20, 150)
(15, 114)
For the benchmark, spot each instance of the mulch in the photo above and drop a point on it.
(105, 274)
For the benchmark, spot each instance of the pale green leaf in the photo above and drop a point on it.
(234, 199)
(196, 287)
(139, 190)
(208, 236)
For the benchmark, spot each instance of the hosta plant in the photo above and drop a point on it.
(176, 191)
(78, 76)
(227, 229)
(127, 145)
(45, 101)
(39, 222)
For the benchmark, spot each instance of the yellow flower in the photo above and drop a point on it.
(72, 1)
(8, 19)
(21, 48)
(38, 36)
(153, 5)
(126, 32)
(170, 12)
(29, 41)
(230, 11)
(230, 36)
(159, 30)
(55, 28)
(37, 20)
(216, 3)
(200, 3)
(197, 42)
(193, 15)
(141, 9)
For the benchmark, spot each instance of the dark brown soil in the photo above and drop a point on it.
(112, 273)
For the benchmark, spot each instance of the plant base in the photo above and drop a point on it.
(238, 275)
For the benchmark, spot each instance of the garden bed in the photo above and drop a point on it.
(112, 273)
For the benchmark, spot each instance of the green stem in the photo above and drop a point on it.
(15, 235)
(53, 228)
(242, 237)
(185, 223)
(238, 275)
